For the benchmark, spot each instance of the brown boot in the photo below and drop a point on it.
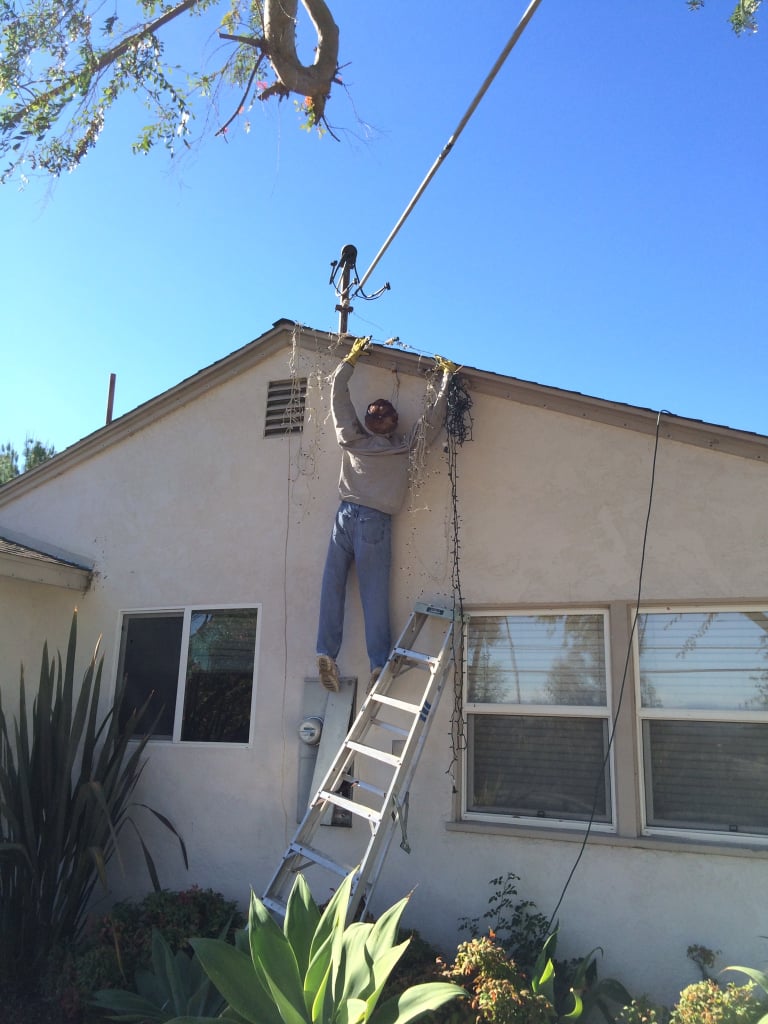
(328, 672)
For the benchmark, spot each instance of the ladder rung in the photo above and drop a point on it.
(310, 853)
(393, 702)
(276, 906)
(361, 810)
(389, 726)
(417, 656)
(368, 787)
(437, 609)
(381, 811)
(375, 753)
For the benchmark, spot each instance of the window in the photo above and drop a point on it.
(703, 702)
(196, 667)
(286, 402)
(538, 717)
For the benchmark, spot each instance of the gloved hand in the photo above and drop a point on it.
(446, 365)
(359, 346)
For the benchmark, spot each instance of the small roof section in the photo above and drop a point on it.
(22, 561)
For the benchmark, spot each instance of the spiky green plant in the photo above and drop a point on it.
(66, 781)
(175, 984)
(316, 969)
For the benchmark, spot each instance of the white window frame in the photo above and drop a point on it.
(186, 612)
(604, 713)
(681, 715)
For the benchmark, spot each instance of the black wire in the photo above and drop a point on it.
(622, 688)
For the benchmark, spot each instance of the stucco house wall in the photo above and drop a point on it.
(184, 502)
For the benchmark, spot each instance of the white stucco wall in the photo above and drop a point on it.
(198, 508)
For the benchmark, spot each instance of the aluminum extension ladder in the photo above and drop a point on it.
(381, 717)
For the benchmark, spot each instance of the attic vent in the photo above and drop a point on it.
(286, 400)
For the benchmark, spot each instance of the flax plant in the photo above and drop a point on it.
(66, 781)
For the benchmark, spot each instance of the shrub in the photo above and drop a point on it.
(642, 1011)
(499, 990)
(516, 925)
(706, 1003)
(66, 782)
(122, 941)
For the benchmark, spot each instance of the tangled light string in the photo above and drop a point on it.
(458, 425)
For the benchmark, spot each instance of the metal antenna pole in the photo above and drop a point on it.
(347, 263)
(459, 129)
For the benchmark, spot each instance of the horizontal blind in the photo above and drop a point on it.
(704, 660)
(538, 766)
(537, 660)
(707, 775)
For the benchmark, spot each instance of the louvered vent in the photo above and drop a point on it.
(286, 400)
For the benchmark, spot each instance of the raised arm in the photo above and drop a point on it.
(348, 427)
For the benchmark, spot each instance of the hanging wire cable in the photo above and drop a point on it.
(453, 139)
(625, 673)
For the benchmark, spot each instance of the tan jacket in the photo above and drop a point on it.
(374, 468)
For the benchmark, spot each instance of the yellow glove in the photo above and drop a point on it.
(446, 365)
(359, 346)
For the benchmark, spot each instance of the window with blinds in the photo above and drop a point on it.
(703, 704)
(537, 709)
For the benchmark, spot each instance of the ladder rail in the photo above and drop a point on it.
(399, 790)
(382, 819)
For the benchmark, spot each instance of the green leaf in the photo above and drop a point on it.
(416, 1001)
(301, 920)
(382, 968)
(130, 1005)
(322, 1006)
(233, 975)
(578, 1006)
(356, 967)
(351, 1011)
(275, 962)
(758, 977)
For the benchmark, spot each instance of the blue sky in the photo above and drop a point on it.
(601, 226)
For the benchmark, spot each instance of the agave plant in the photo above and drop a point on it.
(585, 992)
(316, 969)
(66, 782)
(176, 984)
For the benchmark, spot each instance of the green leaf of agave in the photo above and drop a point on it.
(129, 1005)
(416, 1001)
(356, 974)
(578, 1007)
(384, 931)
(757, 976)
(288, 1011)
(301, 919)
(198, 1020)
(321, 1009)
(351, 1011)
(334, 916)
(382, 969)
(318, 975)
(327, 942)
(275, 963)
(233, 975)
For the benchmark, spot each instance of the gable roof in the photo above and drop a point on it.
(741, 443)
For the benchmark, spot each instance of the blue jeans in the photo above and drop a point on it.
(362, 535)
